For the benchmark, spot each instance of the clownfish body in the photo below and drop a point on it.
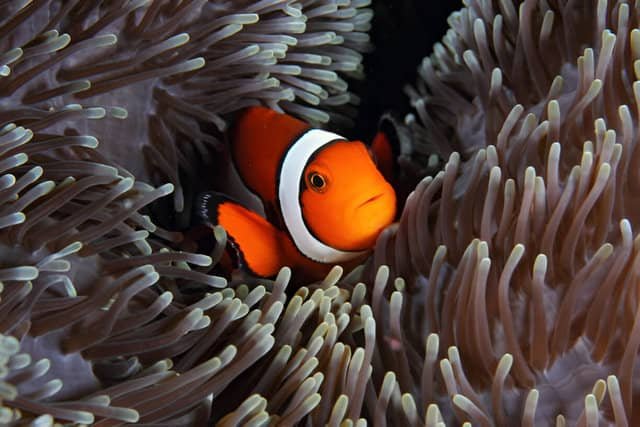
(324, 198)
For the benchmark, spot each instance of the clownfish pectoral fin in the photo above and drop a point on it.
(383, 154)
(392, 141)
(258, 244)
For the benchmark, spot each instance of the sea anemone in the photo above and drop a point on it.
(521, 254)
(505, 294)
(121, 326)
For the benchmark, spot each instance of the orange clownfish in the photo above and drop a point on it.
(324, 198)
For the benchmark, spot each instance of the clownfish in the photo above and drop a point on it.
(325, 199)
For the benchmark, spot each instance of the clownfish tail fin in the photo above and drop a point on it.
(256, 242)
(206, 207)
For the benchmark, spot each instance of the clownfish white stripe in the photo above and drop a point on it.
(291, 171)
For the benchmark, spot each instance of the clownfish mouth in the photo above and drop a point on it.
(371, 199)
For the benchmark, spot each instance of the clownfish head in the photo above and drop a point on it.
(345, 200)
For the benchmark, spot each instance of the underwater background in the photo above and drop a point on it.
(506, 294)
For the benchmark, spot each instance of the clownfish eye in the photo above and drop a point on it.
(317, 182)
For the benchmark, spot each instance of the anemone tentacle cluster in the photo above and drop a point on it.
(506, 294)
(524, 249)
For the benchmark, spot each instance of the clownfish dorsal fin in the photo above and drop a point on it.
(260, 139)
(258, 244)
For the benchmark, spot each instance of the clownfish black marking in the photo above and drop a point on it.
(326, 201)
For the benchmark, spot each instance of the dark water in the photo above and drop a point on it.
(403, 32)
